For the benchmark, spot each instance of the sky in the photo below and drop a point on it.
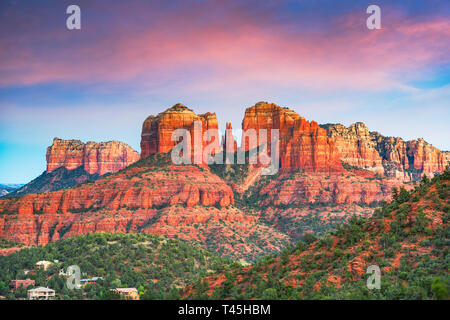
(135, 58)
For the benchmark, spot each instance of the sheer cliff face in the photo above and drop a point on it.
(157, 130)
(447, 156)
(356, 146)
(95, 158)
(393, 157)
(303, 144)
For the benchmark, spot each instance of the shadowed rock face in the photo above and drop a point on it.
(60, 178)
(95, 158)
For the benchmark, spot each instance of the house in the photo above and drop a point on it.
(92, 280)
(14, 284)
(43, 265)
(128, 293)
(41, 293)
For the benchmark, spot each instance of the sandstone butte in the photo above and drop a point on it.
(157, 131)
(95, 158)
(149, 196)
(303, 144)
(326, 263)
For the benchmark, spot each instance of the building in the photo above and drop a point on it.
(92, 280)
(43, 265)
(14, 284)
(41, 293)
(128, 293)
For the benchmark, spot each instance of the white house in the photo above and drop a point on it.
(43, 265)
(41, 293)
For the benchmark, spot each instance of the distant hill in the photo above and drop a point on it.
(408, 239)
(8, 188)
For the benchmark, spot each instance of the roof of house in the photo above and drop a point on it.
(40, 289)
(92, 279)
(22, 280)
(126, 289)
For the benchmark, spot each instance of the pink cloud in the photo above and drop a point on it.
(241, 52)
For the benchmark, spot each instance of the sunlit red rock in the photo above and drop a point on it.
(356, 146)
(390, 156)
(302, 144)
(157, 130)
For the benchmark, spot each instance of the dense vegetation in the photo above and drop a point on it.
(156, 266)
(4, 243)
(407, 238)
(233, 172)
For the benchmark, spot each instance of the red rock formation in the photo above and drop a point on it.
(99, 158)
(156, 196)
(409, 160)
(425, 158)
(303, 144)
(157, 131)
(139, 188)
(152, 196)
(385, 155)
(356, 146)
(354, 187)
(229, 144)
(447, 156)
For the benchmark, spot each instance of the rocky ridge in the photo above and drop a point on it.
(393, 157)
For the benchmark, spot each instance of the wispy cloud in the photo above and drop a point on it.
(189, 50)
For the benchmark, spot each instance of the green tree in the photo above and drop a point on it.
(269, 294)
(439, 289)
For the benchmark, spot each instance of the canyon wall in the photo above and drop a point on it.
(302, 144)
